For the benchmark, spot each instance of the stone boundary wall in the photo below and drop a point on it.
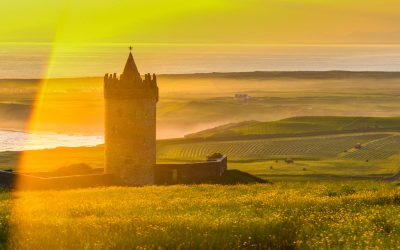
(164, 174)
(190, 172)
(28, 182)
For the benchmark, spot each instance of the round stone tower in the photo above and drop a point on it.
(130, 125)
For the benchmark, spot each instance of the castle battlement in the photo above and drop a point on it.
(124, 87)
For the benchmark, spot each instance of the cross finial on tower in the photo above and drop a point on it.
(130, 48)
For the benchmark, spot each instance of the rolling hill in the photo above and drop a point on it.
(303, 125)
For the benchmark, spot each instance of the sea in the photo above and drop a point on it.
(19, 60)
(44, 60)
(21, 141)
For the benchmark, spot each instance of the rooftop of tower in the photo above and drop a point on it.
(131, 71)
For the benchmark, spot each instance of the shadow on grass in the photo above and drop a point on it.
(230, 177)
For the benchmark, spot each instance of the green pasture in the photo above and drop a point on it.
(303, 125)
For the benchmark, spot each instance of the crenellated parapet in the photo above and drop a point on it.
(126, 88)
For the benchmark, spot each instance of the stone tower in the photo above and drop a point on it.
(130, 125)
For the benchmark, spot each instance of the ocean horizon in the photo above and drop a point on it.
(42, 60)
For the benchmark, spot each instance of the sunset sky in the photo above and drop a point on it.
(205, 21)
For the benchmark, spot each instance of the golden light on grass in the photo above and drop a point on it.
(317, 215)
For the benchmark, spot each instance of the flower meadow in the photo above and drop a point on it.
(284, 215)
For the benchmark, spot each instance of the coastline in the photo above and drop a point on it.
(18, 141)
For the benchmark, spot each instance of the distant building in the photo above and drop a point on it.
(242, 97)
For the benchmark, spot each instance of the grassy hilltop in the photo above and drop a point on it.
(312, 125)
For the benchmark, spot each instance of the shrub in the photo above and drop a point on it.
(214, 157)
(74, 169)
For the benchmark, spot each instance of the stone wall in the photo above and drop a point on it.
(130, 140)
(164, 174)
(190, 172)
(31, 182)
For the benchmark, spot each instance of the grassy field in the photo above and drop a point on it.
(285, 215)
(331, 168)
(303, 125)
(310, 147)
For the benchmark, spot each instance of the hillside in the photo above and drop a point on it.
(303, 125)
